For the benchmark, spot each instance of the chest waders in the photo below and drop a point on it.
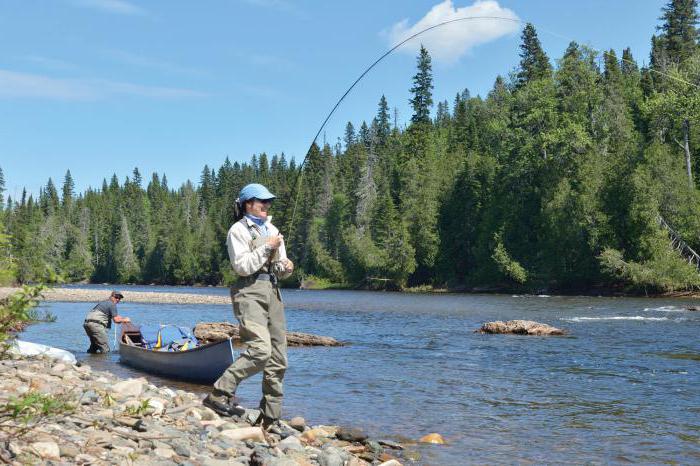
(257, 305)
(95, 326)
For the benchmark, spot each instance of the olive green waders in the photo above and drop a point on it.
(97, 333)
(263, 329)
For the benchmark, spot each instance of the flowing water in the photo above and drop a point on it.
(623, 387)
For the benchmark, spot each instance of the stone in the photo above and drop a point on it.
(167, 392)
(84, 458)
(390, 444)
(432, 438)
(47, 450)
(68, 450)
(290, 443)
(158, 405)
(128, 388)
(392, 462)
(298, 423)
(244, 433)
(166, 453)
(355, 461)
(520, 327)
(58, 370)
(208, 414)
(331, 457)
(120, 450)
(181, 448)
(283, 462)
(351, 435)
(89, 397)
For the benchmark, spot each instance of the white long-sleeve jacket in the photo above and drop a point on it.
(247, 258)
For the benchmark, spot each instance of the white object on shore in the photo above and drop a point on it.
(26, 348)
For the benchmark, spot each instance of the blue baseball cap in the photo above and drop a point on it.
(255, 191)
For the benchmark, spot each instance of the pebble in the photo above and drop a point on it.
(47, 450)
(291, 443)
(298, 423)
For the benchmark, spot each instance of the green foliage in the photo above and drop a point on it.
(16, 311)
(140, 409)
(665, 271)
(34, 406)
(509, 267)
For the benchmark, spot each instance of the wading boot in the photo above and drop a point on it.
(223, 404)
(274, 426)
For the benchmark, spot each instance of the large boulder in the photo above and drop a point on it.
(520, 327)
(208, 332)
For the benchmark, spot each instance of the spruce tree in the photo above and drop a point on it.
(382, 124)
(629, 64)
(612, 71)
(2, 187)
(127, 267)
(680, 34)
(68, 189)
(422, 89)
(534, 63)
(349, 138)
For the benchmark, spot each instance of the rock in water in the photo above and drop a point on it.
(432, 438)
(520, 327)
(209, 332)
(351, 435)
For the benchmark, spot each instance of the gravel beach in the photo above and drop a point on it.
(82, 295)
(91, 417)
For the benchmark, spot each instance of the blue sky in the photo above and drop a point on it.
(102, 86)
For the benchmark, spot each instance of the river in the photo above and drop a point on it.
(623, 387)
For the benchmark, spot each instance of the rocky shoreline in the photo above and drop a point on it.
(70, 414)
(155, 297)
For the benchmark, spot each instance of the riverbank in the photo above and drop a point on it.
(95, 295)
(52, 411)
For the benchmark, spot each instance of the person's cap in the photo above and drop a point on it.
(255, 191)
(117, 294)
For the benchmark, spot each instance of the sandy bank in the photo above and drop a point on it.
(80, 295)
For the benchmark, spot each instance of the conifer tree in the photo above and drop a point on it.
(422, 89)
(349, 138)
(382, 124)
(680, 34)
(126, 264)
(51, 196)
(68, 189)
(2, 187)
(534, 63)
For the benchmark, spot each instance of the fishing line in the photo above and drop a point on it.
(300, 176)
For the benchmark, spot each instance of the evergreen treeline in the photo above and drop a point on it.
(566, 175)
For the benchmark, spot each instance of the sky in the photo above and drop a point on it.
(102, 86)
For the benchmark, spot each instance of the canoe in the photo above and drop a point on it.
(202, 364)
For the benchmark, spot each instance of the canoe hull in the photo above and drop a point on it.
(203, 364)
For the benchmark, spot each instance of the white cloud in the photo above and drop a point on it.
(15, 85)
(448, 43)
(119, 7)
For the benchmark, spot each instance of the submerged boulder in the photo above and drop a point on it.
(208, 332)
(520, 327)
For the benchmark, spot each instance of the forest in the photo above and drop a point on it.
(570, 175)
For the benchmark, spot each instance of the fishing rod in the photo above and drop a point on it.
(300, 175)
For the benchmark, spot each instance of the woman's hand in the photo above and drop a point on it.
(274, 242)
